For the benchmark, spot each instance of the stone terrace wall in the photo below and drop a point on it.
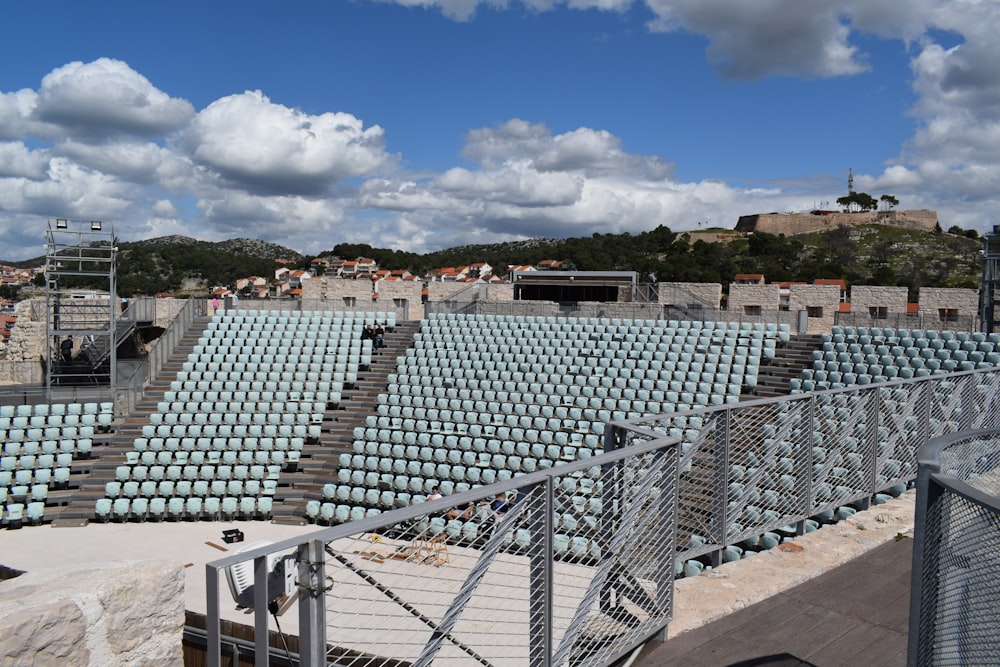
(687, 295)
(863, 297)
(766, 297)
(441, 291)
(114, 614)
(827, 297)
(964, 301)
(791, 224)
(498, 292)
(408, 290)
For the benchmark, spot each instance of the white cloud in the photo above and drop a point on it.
(134, 161)
(98, 140)
(586, 150)
(16, 160)
(532, 183)
(79, 192)
(107, 97)
(517, 183)
(14, 111)
(267, 148)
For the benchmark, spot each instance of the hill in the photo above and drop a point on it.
(869, 254)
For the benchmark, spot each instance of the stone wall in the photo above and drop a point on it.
(21, 372)
(497, 292)
(129, 613)
(520, 308)
(441, 291)
(963, 303)
(826, 297)
(865, 297)
(167, 310)
(27, 339)
(762, 297)
(407, 290)
(622, 310)
(690, 295)
(791, 224)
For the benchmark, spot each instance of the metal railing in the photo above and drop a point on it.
(743, 471)
(636, 310)
(323, 305)
(168, 340)
(754, 467)
(578, 570)
(909, 321)
(954, 616)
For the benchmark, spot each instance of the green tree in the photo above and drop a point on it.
(857, 201)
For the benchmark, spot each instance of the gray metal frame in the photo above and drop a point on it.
(739, 471)
(954, 615)
(80, 249)
(628, 583)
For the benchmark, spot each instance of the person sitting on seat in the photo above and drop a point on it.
(500, 506)
(463, 513)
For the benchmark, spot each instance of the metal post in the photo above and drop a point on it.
(721, 483)
(262, 645)
(928, 495)
(212, 616)
(540, 576)
(312, 604)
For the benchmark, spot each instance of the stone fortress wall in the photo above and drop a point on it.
(791, 224)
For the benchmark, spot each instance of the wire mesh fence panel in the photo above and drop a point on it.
(574, 566)
(958, 543)
(986, 400)
(575, 563)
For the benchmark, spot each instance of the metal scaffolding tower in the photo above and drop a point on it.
(989, 290)
(82, 305)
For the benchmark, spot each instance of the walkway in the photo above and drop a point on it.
(855, 614)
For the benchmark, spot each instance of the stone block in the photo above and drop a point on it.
(118, 613)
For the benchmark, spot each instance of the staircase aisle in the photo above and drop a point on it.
(788, 362)
(88, 477)
(320, 461)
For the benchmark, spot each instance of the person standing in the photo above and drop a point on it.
(66, 348)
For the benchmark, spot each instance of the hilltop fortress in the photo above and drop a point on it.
(791, 224)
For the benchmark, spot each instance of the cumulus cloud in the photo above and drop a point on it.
(950, 163)
(531, 182)
(14, 111)
(107, 97)
(16, 160)
(749, 40)
(268, 148)
(584, 150)
(99, 140)
(133, 161)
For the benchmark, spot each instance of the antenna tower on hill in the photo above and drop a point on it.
(850, 181)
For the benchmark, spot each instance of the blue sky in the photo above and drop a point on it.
(422, 124)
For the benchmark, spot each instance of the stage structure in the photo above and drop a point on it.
(574, 286)
(989, 290)
(82, 306)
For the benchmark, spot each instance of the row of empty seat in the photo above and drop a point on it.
(40, 443)
(460, 412)
(249, 397)
(865, 355)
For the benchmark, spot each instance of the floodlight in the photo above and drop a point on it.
(62, 223)
(95, 225)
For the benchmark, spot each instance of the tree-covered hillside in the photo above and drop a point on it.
(873, 254)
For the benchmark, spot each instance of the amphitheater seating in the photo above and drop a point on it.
(478, 399)
(249, 397)
(863, 355)
(40, 442)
